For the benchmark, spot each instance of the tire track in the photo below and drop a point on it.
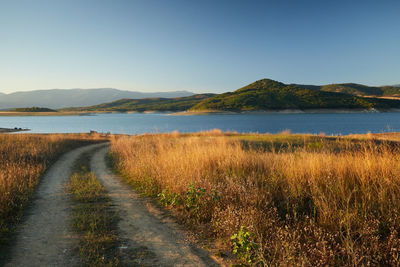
(151, 238)
(44, 237)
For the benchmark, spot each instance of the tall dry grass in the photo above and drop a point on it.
(23, 159)
(310, 205)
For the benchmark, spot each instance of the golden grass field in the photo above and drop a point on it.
(281, 199)
(277, 199)
(23, 159)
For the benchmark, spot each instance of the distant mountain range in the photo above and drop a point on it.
(62, 98)
(268, 94)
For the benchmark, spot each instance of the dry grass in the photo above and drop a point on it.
(320, 201)
(393, 136)
(23, 159)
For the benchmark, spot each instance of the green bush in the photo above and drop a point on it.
(243, 246)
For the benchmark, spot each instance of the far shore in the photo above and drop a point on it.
(283, 111)
(12, 130)
(202, 112)
(61, 113)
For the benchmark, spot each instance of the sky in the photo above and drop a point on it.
(199, 46)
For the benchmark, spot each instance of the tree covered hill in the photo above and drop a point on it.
(267, 94)
(356, 89)
(34, 109)
(153, 104)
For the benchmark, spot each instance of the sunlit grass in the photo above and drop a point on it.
(311, 200)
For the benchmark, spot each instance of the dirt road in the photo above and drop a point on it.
(149, 237)
(44, 238)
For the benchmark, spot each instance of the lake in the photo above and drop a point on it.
(330, 124)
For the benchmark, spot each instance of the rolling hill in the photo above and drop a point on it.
(34, 109)
(61, 98)
(356, 89)
(153, 104)
(267, 94)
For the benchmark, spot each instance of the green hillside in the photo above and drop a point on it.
(356, 89)
(391, 91)
(34, 109)
(272, 95)
(153, 104)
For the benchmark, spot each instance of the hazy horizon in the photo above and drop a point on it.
(49, 89)
(160, 91)
(205, 46)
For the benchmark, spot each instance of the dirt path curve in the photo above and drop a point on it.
(43, 238)
(155, 238)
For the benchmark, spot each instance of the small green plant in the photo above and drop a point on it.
(315, 145)
(194, 197)
(243, 247)
(215, 196)
(167, 198)
(200, 203)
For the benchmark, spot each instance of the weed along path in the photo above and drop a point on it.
(149, 237)
(43, 238)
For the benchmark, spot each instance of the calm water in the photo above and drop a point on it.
(272, 123)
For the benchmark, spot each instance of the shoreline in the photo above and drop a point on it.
(284, 111)
(205, 112)
(13, 130)
(15, 113)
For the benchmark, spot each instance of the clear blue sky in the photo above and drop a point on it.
(200, 46)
